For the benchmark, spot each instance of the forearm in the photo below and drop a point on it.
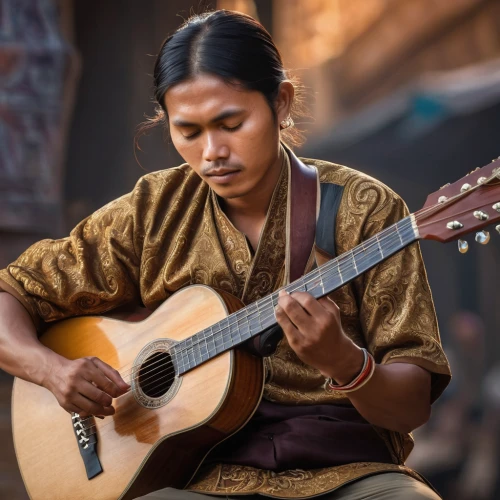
(21, 353)
(397, 397)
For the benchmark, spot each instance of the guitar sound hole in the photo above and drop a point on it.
(156, 374)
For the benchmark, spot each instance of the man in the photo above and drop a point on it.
(221, 220)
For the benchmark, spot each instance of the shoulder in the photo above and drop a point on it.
(163, 186)
(360, 191)
(165, 179)
(154, 192)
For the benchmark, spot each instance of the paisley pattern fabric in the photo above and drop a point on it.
(170, 232)
(234, 480)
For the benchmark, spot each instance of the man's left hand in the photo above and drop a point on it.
(314, 331)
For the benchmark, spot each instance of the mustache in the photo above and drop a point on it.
(220, 165)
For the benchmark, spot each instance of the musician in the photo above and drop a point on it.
(221, 220)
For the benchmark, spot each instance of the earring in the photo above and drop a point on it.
(288, 122)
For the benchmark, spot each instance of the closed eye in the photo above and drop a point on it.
(232, 129)
(192, 136)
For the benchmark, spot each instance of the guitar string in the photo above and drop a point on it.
(433, 222)
(393, 235)
(264, 318)
(318, 274)
(156, 372)
(270, 298)
(223, 331)
(353, 253)
(160, 369)
(417, 215)
(161, 377)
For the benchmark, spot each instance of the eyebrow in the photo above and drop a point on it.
(229, 113)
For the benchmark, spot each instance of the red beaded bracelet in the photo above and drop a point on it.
(362, 378)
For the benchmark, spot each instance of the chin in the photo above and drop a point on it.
(230, 192)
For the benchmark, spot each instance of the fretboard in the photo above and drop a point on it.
(254, 319)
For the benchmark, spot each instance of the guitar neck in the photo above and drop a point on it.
(259, 316)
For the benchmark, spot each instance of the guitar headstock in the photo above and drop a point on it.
(468, 205)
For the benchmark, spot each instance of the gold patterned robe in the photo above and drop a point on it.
(170, 232)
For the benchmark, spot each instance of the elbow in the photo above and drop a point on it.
(415, 420)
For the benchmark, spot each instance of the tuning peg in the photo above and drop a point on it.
(463, 246)
(483, 237)
(479, 214)
(455, 224)
(498, 228)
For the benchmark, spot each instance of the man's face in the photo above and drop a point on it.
(226, 134)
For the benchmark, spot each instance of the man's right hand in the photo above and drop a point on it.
(85, 386)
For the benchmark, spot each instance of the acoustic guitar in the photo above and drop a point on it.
(191, 385)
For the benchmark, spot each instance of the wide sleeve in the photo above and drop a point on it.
(396, 310)
(93, 270)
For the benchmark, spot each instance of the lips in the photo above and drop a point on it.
(222, 175)
(220, 172)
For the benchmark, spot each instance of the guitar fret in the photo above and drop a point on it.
(258, 314)
(204, 348)
(225, 332)
(397, 230)
(218, 339)
(267, 310)
(379, 247)
(243, 327)
(212, 338)
(354, 262)
(321, 283)
(340, 272)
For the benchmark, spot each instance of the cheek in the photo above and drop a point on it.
(259, 137)
(188, 150)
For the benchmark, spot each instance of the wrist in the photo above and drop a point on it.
(45, 365)
(361, 379)
(349, 366)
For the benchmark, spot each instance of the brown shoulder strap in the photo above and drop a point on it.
(303, 194)
(302, 223)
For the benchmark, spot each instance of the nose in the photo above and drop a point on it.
(214, 148)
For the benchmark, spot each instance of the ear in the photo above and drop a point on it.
(284, 100)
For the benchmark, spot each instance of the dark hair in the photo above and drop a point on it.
(230, 45)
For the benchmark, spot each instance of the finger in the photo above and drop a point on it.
(95, 394)
(112, 374)
(97, 379)
(329, 305)
(90, 407)
(295, 312)
(308, 303)
(290, 330)
(74, 409)
(107, 378)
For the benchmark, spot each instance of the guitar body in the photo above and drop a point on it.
(141, 449)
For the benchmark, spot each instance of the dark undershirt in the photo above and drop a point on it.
(285, 437)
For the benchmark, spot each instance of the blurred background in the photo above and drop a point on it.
(407, 91)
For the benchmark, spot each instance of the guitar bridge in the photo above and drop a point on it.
(86, 436)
